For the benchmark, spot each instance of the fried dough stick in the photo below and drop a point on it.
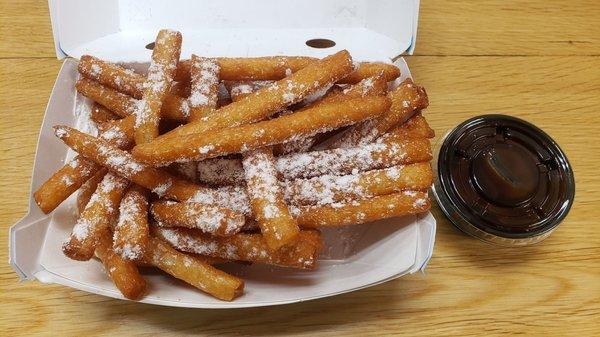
(123, 273)
(362, 211)
(330, 189)
(204, 87)
(246, 247)
(210, 220)
(388, 152)
(273, 98)
(372, 86)
(354, 159)
(406, 100)
(193, 271)
(158, 181)
(276, 224)
(131, 231)
(101, 114)
(158, 83)
(78, 170)
(174, 107)
(88, 188)
(202, 101)
(415, 127)
(247, 137)
(96, 218)
(269, 68)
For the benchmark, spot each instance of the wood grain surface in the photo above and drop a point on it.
(538, 60)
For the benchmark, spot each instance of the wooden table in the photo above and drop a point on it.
(539, 60)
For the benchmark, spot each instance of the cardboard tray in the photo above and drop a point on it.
(355, 257)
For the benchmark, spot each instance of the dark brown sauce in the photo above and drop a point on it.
(505, 176)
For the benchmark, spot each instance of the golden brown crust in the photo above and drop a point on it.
(194, 271)
(123, 273)
(157, 85)
(271, 213)
(246, 247)
(247, 137)
(367, 210)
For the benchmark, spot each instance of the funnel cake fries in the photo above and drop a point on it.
(96, 218)
(369, 69)
(415, 127)
(193, 271)
(232, 69)
(77, 171)
(252, 136)
(330, 189)
(174, 107)
(372, 86)
(158, 83)
(266, 199)
(101, 114)
(131, 231)
(239, 90)
(406, 99)
(251, 123)
(251, 68)
(273, 98)
(276, 68)
(158, 181)
(382, 154)
(111, 75)
(354, 159)
(123, 273)
(88, 188)
(362, 211)
(208, 219)
(204, 87)
(246, 247)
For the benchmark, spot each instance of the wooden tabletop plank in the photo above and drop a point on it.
(509, 27)
(470, 288)
(25, 29)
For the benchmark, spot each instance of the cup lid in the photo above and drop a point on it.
(503, 180)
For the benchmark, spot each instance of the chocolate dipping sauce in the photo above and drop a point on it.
(503, 180)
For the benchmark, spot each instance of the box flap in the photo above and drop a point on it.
(119, 30)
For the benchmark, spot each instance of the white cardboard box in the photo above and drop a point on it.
(355, 257)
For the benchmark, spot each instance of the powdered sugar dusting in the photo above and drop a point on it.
(204, 82)
(232, 197)
(131, 229)
(102, 206)
(162, 188)
(120, 161)
(341, 161)
(209, 219)
(261, 181)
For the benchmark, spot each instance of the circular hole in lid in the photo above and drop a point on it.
(150, 45)
(320, 43)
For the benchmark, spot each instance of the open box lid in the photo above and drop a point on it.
(119, 30)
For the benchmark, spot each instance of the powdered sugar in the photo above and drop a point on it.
(205, 149)
(96, 70)
(232, 197)
(204, 82)
(262, 183)
(120, 161)
(185, 108)
(99, 208)
(341, 161)
(207, 218)
(162, 188)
